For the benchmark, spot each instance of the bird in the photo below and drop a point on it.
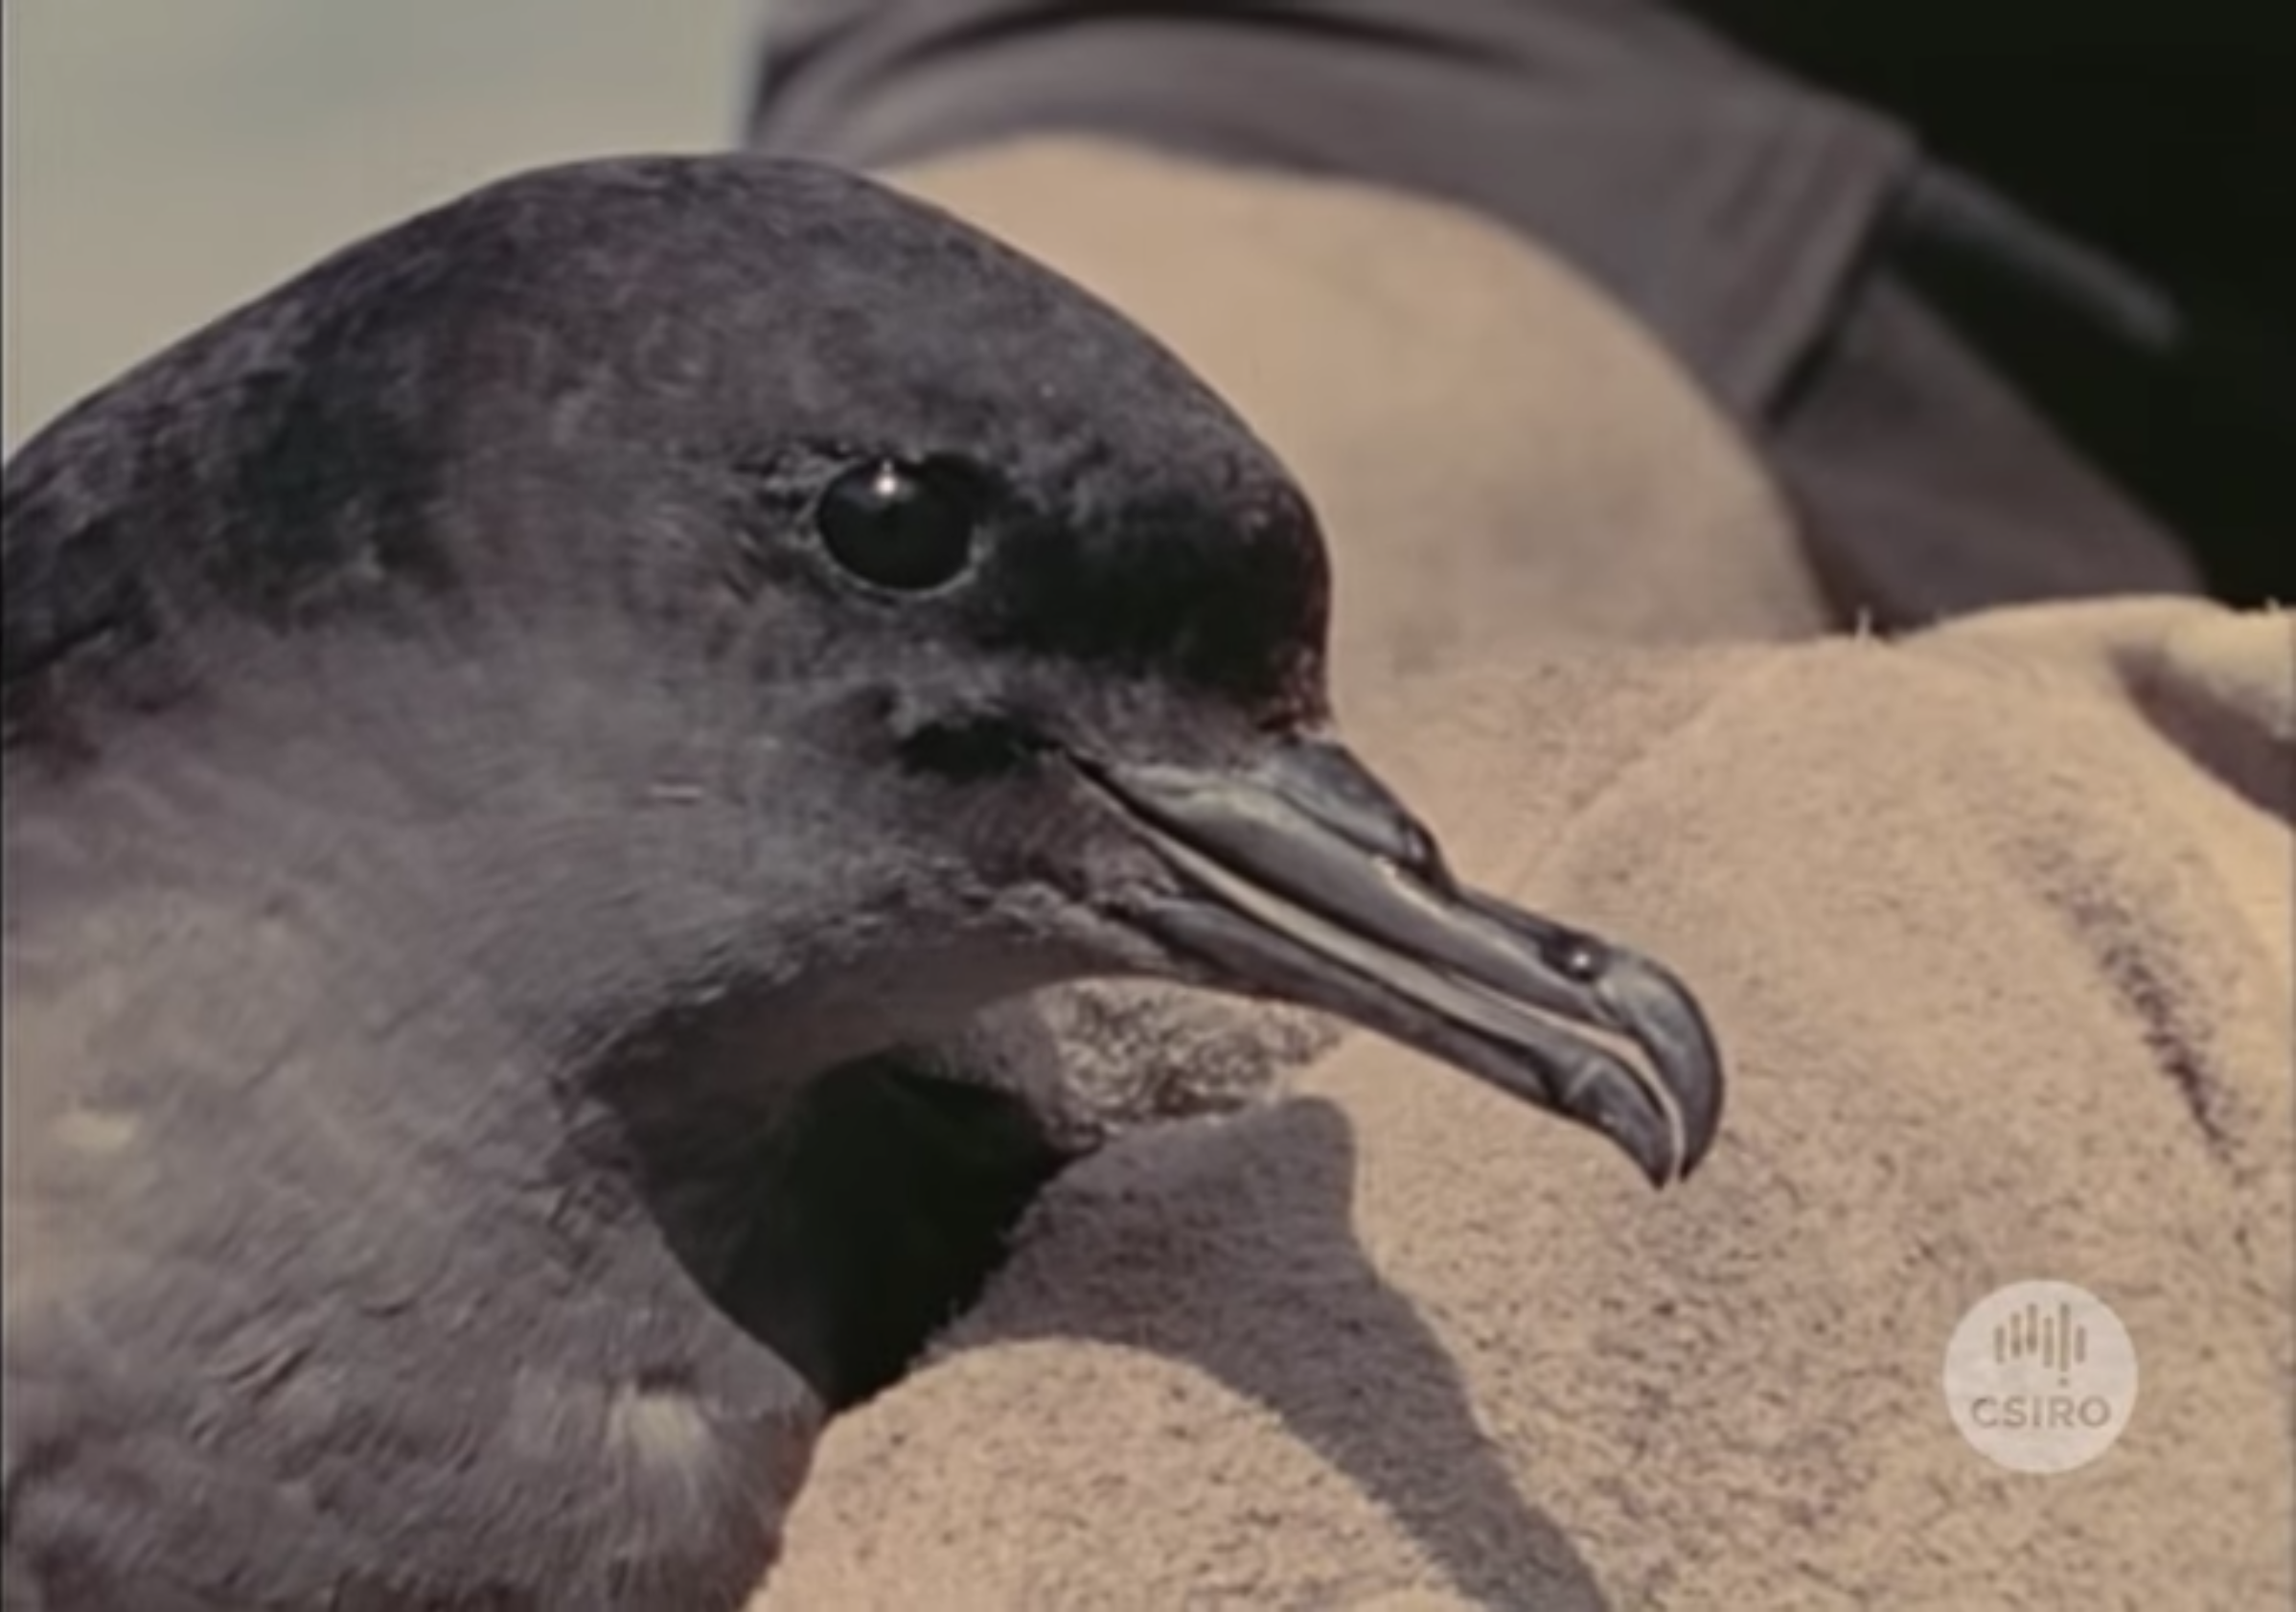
(545, 758)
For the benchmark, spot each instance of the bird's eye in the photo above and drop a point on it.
(896, 526)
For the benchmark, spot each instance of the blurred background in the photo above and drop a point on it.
(167, 160)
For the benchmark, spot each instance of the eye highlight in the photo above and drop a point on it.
(896, 526)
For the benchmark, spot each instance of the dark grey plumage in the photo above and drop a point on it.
(499, 819)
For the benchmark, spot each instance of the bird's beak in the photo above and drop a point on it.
(1301, 878)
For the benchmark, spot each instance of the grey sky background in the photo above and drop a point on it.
(167, 160)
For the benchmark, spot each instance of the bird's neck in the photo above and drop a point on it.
(490, 972)
(453, 929)
(424, 1028)
(333, 1088)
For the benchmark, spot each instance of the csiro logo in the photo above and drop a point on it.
(2041, 1376)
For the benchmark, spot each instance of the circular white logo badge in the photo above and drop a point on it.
(2041, 1376)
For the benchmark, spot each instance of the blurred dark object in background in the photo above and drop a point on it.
(2165, 135)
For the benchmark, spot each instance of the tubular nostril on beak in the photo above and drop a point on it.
(1359, 806)
(1423, 859)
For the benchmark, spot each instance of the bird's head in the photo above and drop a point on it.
(1002, 631)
